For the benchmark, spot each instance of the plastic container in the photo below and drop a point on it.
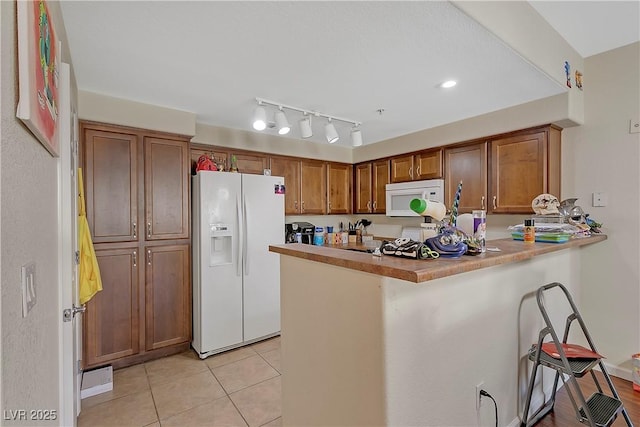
(529, 235)
(318, 236)
(480, 228)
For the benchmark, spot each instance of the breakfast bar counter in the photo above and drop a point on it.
(423, 270)
(370, 340)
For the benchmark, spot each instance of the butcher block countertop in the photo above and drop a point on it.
(429, 269)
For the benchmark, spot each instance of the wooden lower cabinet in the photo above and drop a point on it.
(167, 296)
(111, 329)
(144, 308)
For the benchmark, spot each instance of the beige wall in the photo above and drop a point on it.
(605, 157)
(29, 226)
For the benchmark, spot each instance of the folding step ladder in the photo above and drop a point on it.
(599, 409)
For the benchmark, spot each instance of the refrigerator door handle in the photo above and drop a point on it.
(240, 236)
(245, 252)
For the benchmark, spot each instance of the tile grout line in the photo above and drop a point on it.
(155, 407)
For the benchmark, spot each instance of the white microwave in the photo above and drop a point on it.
(400, 195)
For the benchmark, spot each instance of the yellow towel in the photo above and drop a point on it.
(89, 280)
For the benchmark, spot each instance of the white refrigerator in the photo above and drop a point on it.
(236, 280)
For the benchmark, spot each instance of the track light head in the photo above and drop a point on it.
(282, 124)
(305, 127)
(331, 133)
(259, 118)
(356, 137)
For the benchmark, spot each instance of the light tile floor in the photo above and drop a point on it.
(237, 388)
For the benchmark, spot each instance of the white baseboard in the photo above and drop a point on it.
(617, 371)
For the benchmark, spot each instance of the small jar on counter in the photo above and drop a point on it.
(529, 231)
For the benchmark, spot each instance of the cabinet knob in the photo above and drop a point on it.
(411, 172)
(295, 205)
(302, 210)
(375, 205)
(149, 256)
(495, 202)
(418, 171)
(135, 230)
(369, 206)
(135, 259)
(482, 203)
(148, 230)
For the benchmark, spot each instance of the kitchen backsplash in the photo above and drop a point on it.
(384, 226)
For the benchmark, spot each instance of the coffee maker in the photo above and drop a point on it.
(304, 229)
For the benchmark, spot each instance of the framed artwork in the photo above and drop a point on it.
(38, 69)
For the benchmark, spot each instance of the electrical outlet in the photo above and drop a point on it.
(634, 126)
(599, 199)
(479, 387)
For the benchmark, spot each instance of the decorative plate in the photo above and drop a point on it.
(545, 204)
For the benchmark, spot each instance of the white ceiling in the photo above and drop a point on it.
(345, 59)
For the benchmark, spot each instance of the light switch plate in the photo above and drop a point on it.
(634, 126)
(28, 275)
(599, 199)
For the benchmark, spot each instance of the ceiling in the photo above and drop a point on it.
(378, 63)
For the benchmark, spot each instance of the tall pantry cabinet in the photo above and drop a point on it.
(137, 194)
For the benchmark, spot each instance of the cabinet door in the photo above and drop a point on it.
(469, 165)
(380, 179)
(428, 164)
(166, 189)
(518, 172)
(402, 168)
(290, 170)
(313, 187)
(111, 319)
(250, 163)
(219, 157)
(167, 296)
(339, 184)
(111, 170)
(363, 188)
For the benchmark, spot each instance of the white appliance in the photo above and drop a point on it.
(400, 195)
(236, 280)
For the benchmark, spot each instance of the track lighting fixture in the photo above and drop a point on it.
(330, 132)
(306, 130)
(356, 137)
(282, 124)
(259, 118)
(305, 127)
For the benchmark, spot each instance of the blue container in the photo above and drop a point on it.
(318, 236)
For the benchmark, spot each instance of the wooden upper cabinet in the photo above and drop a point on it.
(363, 187)
(218, 156)
(424, 165)
(250, 163)
(402, 168)
(520, 170)
(290, 170)
(339, 185)
(371, 179)
(111, 319)
(380, 179)
(167, 296)
(468, 164)
(313, 187)
(111, 185)
(428, 164)
(167, 174)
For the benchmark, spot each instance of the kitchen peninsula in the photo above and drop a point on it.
(389, 341)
